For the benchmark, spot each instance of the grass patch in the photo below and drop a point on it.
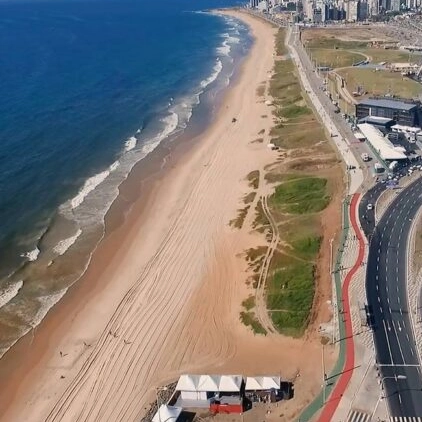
(260, 91)
(253, 254)
(261, 219)
(248, 319)
(283, 177)
(380, 82)
(258, 141)
(301, 196)
(249, 303)
(381, 55)
(307, 247)
(290, 296)
(335, 58)
(253, 179)
(240, 219)
(249, 198)
(280, 47)
(292, 111)
(335, 43)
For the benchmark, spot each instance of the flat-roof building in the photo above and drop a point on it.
(402, 112)
(381, 145)
(379, 122)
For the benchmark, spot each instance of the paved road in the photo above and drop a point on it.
(386, 286)
(367, 217)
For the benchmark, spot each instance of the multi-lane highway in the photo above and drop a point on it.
(386, 286)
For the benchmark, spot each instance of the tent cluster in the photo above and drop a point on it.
(226, 383)
(204, 383)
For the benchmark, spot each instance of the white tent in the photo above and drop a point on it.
(208, 383)
(230, 383)
(167, 414)
(271, 382)
(262, 383)
(253, 383)
(188, 387)
(187, 383)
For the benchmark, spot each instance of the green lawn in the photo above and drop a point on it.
(381, 55)
(301, 196)
(290, 296)
(335, 43)
(381, 82)
(335, 58)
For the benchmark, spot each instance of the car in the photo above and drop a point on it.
(369, 207)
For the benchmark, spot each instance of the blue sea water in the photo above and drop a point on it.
(87, 89)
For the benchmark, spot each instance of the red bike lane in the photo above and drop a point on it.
(333, 400)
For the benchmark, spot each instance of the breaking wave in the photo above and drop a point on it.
(10, 292)
(130, 144)
(32, 255)
(65, 244)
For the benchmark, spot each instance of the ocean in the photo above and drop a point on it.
(88, 89)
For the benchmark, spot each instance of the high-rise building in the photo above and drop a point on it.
(363, 10)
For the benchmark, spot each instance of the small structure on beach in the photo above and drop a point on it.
(219, 393)
(167, 414)
(264, 383)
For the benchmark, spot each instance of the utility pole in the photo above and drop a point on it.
(324, 376)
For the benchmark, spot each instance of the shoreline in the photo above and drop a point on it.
(15, 367)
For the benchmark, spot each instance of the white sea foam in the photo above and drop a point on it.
(47, 302)
(114, 166)
(65, 244)
(90, 184)
(216, 71)
(10, 292)
(233, 40)
(32, 255)
(130, 143)
(224, 49)
(171, 121)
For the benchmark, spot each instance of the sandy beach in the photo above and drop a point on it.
(163, 293)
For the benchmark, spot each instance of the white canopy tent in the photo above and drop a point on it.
(230, 383)
(196, 387)
(187, 383)
(188, 387)
(167, 414)
(262, 383)
(208, 383)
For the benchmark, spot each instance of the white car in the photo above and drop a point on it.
(369, 207)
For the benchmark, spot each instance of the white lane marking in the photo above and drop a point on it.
(388, 342)
(398, 342)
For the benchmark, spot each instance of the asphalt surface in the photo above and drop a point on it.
(367, 217)
(389, 313)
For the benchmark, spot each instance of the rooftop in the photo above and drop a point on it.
(385, 149)
(388, 103)
(376, 120)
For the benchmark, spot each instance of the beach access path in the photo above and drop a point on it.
(167, 286)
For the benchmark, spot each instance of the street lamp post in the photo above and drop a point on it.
(324, 376)
(381, 397)
(331, 255)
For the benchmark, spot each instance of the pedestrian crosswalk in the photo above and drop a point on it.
(406, 419)
(356, 416)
